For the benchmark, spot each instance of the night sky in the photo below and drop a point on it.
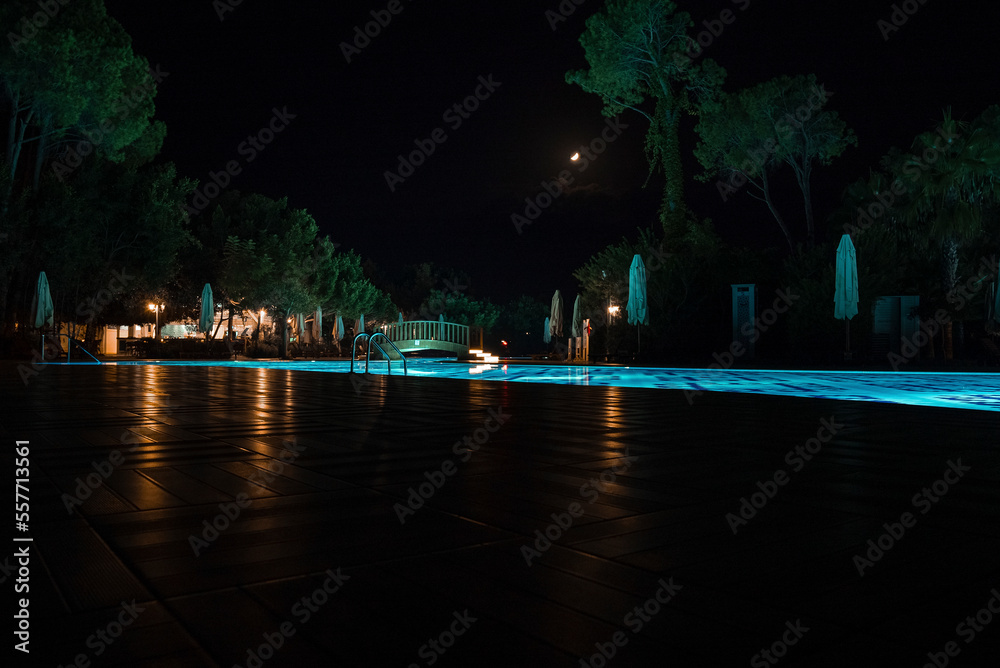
(353, 119)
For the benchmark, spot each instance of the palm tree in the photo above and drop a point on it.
(956, 171)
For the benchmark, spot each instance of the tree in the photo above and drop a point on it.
(521, 321)
(638, 56)
(76, 80)
(265, 255)
(958, 170)
(681, 277)
(106, 240)
(747, 135)
(462, 309)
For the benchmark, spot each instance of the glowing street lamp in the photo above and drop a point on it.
(156, 308)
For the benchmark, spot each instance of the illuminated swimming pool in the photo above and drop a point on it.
(978, 391)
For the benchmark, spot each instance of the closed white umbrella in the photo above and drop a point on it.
(42, 310)
(576, 329)
(638, 310)
(845, 295)
(207, 311)
(318, 324)
(338, 329)
(546, 333)
(300, 326)
(555, 315)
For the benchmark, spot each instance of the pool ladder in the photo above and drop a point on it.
(69, 348)
(372, 342)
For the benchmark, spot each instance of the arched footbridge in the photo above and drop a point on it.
(414, 335)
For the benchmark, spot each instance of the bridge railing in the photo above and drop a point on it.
(428, 330)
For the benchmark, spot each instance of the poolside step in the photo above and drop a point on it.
(479, 356)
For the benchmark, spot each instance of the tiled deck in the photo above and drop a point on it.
(205, 436)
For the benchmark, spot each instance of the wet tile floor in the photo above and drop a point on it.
(628, 503)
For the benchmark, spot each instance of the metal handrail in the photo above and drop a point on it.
(387, 359)
(430, 330)
(372, 342)
(69, 348)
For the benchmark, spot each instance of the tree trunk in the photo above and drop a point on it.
(90, 337)
(43, 145)
(950, 272)
(806, 188)
(774, 211)
(12, 129)
(15, 155)
(672, 210)
(283, 337)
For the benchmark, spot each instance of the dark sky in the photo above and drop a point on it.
(353, 119)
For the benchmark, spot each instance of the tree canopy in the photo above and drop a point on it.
(637, 56)
(747, 136)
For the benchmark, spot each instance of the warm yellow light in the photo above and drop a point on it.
(575, 157)
(612, 310)
(152, 307)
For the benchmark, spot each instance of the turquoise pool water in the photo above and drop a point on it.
(977, 391)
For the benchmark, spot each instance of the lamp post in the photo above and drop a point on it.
(156, 308)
